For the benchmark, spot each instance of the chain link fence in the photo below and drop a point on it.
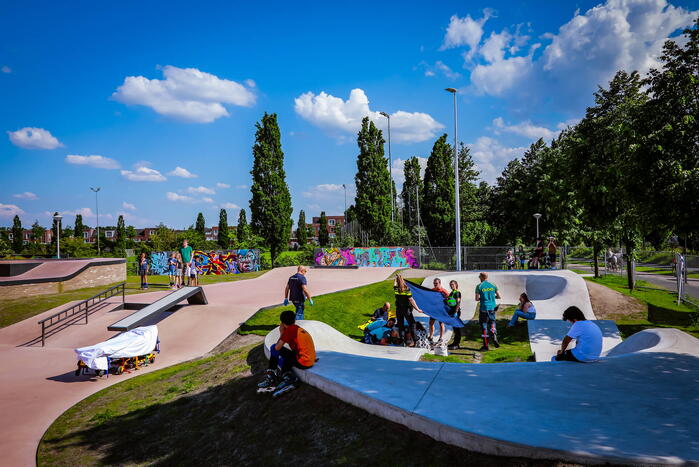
(487, 258)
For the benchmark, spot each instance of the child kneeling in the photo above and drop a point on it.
(380, 332)
(301, 352)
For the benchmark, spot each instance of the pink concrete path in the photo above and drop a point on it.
(37, 384)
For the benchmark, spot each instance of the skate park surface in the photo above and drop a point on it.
(638, 404)
(38, 384)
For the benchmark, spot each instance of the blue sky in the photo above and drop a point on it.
(156, 102)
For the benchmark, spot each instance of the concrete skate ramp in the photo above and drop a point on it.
(657, 340)
(550, 291)
(637, 407)
(546, 336)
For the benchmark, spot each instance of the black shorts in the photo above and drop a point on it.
(567, 356)
(552, 257)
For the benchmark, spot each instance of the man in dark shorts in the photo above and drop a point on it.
(486, 293)
(296, 291)
(301, 352)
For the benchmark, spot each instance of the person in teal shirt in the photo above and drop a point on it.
(486, 293)
(186, 253)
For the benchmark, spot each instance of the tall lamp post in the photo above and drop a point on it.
(537, 216)
(456, 185)
(57, 219)
(390, 163)
(344, 187)
(97, 208)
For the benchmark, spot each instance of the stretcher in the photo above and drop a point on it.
(123, 353)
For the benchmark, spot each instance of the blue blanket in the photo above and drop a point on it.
(433, 305)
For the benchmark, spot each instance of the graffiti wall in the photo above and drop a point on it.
(211, 262)
(371, 257)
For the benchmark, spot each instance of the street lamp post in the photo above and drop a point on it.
(97, 208)
(537, 216)
(57, 218)
(344, 187)
(456, 184)
(390, 163)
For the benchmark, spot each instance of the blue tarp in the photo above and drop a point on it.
(433, 305)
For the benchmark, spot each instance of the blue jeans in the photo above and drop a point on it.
(300, 306)
(521, 314)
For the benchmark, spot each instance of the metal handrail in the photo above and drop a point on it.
(79, 308)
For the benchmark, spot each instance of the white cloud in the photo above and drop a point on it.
(182, 173)
(228, 206)
(616, 35)
(200, 190)
(186, 94)
(34, 138)
(128, 206)
(323, 191)
(207, 200)
(465, 32)
(28, 195)
(98, 162)
(397, 169)
(143, 174)
(491, 157)
(10, 210)
(6, 69)
(250, 83)
(241, 187)
(333, 113)
(222, 185)
(179, 198)
(88, 214)
(448, 72)
(526, 129)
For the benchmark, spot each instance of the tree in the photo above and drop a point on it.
(438, 194)
(373, 199)
(79, 230)
(38, 232)
(17, 235)
(323, 235)
(200, 225)
(302, 229)
(270, 205)
(411, 189)
(164, 239)
(223, 239)
(474, 229)
(121, 233)
(243, 230)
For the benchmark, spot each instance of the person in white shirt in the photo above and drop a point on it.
(587, 335)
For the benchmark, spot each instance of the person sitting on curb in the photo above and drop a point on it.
(437, 283)
(486, 293)
(587, 335)
(383, 313)
(301, 352)
(525, 310)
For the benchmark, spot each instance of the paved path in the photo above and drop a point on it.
(37, 384)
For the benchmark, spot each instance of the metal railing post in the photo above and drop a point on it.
(43, 333)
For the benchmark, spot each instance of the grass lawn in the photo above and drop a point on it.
(660, 297)
(579, 271)
(664, 271)
(207, 412)
(15, 310)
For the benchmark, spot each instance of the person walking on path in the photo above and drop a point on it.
(525, 310)
(437, 283)
(587, 335)
(297, 292)
(486, 293)
(404, 310)
(454, 303)
(186, 253)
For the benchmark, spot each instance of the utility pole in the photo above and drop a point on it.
(456, 185)
(97, 209)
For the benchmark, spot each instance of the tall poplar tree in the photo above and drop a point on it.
(323, 235)
(17, 235)
(437, 203)
(243, 230)
(79, 230)
(411, 189)
(302, 229)
(223, 239)
(270, 205)
(373, 199)
(200, 225)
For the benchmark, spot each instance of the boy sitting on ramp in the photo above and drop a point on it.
(486, 293)
(300, 353)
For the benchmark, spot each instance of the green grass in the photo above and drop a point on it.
(579, 271)
(664, 271)
(207, 412)
(15, 310)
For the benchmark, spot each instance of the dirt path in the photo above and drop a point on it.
(610, 304)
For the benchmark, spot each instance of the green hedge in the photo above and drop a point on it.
(661, 315)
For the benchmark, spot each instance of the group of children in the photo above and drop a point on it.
(177, 271)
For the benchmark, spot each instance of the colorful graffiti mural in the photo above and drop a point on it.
(371, 257)
(211, 262)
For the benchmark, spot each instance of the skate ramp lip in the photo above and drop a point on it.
(551, 291)
(657, 340)
(606, 411)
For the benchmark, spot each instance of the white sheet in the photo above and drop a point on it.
(139, 341)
